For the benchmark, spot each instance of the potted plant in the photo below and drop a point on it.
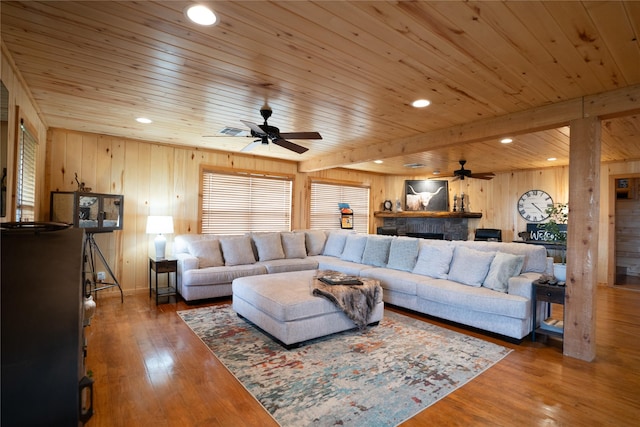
(555, 231)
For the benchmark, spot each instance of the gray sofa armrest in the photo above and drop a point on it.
(186, 262)
(522, 285)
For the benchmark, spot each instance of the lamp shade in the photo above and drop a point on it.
(159, 224)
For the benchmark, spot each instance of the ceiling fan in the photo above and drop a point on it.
(463, 173)
(264, 133)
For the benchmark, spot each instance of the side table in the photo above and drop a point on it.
(159, 266)
(552, 294)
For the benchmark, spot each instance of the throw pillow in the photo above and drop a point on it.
(269, 246)
(354, 247)
(207, 251)
(469, 266)
(403, 253)
(335, 243)
(293, 245)
(503, 267)
(237, 250)
(376, 251)
(433, 261)
(315, 240)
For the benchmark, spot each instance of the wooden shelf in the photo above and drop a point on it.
(425, 214)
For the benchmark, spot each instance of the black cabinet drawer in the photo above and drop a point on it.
(553, 294)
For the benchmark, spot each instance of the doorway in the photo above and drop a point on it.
(627, 231)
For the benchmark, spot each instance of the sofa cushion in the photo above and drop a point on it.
(314, 241)
(289, 264)
(220, 275)
(237, 250)
(434, 261)
(335, 243)
(293, 245)
(207, 252)
(354, 247)
(269, 246)
(503, 267)
(403, 253)
(376, 251)
(470, 267)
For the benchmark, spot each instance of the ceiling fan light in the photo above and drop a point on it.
(201, 15)
(421, 103)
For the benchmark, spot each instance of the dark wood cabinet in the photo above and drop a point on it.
(43, 349)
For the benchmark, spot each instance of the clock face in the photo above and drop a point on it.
(387, 205)
(533, 204)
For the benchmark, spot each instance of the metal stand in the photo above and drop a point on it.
(89, 251)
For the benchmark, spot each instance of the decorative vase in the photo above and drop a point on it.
(89, 310)
(560, 271)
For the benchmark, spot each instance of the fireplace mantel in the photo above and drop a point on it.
(426, 214)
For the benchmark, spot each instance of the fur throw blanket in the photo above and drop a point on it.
(357, 301)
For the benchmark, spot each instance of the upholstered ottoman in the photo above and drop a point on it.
(283, 306)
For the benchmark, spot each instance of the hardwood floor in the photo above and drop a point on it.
(151, 370)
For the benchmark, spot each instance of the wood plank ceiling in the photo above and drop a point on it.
(346, 69)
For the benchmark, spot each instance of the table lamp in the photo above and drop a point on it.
(160, 225)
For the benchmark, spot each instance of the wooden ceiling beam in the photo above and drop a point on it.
(616, 103)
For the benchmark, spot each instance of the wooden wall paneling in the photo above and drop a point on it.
(133, 263)
(89, 164)
(141, 202)
(104, 164)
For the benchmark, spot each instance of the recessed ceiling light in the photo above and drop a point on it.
(436, 172)
(378, 161)
(414, 165)
(201, 15)
(421, 103)
(552, 159)
(144, 120)
(506, 141)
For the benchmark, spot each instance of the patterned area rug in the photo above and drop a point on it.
(379, 377)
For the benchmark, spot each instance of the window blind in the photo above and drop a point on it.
(26, 180)
(240, 203)
(325, 213)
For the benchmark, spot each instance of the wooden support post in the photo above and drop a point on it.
(582, 239)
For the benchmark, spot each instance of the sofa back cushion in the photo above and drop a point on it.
(314, 241)
(403, 253)
(469, 266)
(335, 243)
(434, 261)
(376, 251)
(237, 250)
(293, 244)
(535, 256)
(207, 251)
(268, 246)
(503, 267)
(354, 247)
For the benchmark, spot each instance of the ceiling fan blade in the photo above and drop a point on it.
(254, 127)
(301, 135)
(289, 145)
(252, 145)
(487, 175)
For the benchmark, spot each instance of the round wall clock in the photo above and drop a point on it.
(532, 205)
(387, 205)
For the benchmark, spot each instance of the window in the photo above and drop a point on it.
(325, 213)
(26, 179)
(243, 202)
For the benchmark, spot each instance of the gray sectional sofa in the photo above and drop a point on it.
(486, 285)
